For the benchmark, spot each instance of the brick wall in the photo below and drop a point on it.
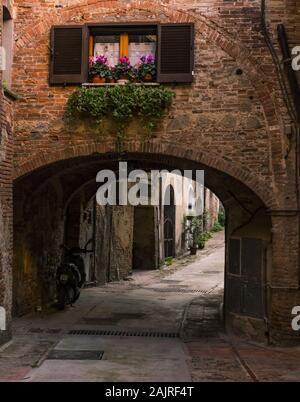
(235, 124)
(221, 111)
(6, 151)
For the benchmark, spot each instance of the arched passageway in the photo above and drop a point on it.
(42, 196)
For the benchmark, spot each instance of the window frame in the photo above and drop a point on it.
(129, 28)
(117, 27)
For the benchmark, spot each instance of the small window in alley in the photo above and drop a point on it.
(114, 43)
(7, 41)
(123, 45)
(162, 53)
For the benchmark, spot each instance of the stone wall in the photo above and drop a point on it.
(114, 241)
(6, 166)
(212, 206)
(38, 236)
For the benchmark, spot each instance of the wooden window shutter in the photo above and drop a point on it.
(69, 54)
(175, 53)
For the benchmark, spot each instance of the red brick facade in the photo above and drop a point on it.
(6, 174)
(236, 126)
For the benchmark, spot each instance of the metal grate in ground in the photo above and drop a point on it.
(180, 290)
(149, 334)
(57, 354)
(44, 330)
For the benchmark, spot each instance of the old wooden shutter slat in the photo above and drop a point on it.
(175, 53)
(69, 55)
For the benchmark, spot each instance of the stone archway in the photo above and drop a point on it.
(162, 148)
(246, 211)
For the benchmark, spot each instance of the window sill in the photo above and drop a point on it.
(148, 84)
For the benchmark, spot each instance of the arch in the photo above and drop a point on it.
(77, 191)
(163, 149)
(6, 14)
(72, 171)
(7, 10)
(169, 196)
(190, 197)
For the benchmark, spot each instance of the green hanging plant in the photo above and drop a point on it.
(121, 104)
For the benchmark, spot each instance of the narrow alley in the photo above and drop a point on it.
(162, 325)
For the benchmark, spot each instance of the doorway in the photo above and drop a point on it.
(144, 238)
(169, 222)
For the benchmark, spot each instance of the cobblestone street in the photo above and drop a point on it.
(160, 326)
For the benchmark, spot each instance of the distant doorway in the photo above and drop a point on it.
(144, 238)
(169, 223)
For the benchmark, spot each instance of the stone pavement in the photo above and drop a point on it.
(160, 326)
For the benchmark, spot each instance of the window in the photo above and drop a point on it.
(124, 44)
(72, 46)
(7, 42)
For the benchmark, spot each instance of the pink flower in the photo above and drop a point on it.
(101, 59)
(124, 60)
(147, 59)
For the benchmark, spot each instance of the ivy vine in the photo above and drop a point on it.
(121, 104)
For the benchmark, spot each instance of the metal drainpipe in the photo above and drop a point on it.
(295, 117)
(291, 75)
(287, 61)
(277, 62)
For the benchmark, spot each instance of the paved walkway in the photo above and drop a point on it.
(160, 326)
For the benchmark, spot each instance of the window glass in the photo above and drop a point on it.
(140, 45)
(108, 46)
